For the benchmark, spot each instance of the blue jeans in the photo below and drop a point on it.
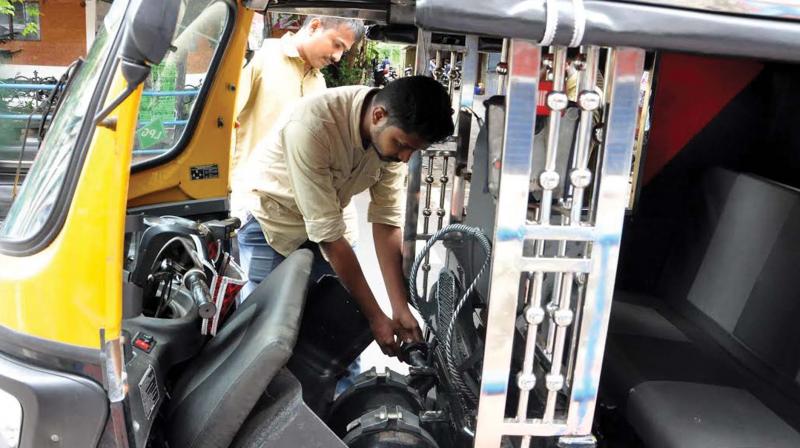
(258, 259)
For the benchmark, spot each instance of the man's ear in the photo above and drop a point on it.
(378, 114)
(315, 25)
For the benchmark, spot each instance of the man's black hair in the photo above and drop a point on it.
(418, 105)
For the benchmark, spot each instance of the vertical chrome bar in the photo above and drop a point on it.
(469, 70)
(573, 347)
(501, 79)
(507, 242)
(421, 59)
(451, 83)
(414, 168)
(616, 168)
(557, 101)
(548, 180)
(589, 100)
(562, 319)
(426, 221)
(469, 77)
(412, 212)
(442, 211)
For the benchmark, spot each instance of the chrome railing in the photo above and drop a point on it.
(565, 279)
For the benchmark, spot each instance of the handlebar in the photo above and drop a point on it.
(195, 282)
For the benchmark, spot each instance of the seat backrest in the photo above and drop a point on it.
(737, 260)
(220, 387)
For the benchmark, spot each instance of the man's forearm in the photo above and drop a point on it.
(388, 247)
(345, 264)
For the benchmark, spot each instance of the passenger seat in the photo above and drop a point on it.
(712, 358)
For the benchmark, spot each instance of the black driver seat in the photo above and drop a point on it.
(220, 387)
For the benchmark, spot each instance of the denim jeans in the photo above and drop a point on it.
(258, 259)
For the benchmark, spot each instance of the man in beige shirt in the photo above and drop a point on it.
(280, 73)
(331, 147)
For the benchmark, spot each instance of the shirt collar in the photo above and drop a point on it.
(288, 46)
(355, 117)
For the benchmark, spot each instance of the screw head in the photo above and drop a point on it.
(526, 381)
(534, 315)
(549, 180)
(589, 100)
(580, 178)
(554, 382)
(563, 318)
(557, 100)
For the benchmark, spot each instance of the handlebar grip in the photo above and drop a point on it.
(195, 281)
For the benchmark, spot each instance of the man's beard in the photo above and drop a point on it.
(383, 157)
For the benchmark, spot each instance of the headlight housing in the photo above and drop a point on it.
(10, 420)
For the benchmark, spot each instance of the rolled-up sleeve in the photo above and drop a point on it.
(308, 166)
(388, 196)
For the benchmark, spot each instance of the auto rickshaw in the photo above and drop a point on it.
(621, 225)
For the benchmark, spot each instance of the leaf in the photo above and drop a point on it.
(30, 29)
(32, 11)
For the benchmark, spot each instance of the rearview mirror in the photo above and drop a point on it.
(148, 36)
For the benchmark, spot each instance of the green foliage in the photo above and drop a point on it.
(31, 10)
(6, 7)
(354, 69)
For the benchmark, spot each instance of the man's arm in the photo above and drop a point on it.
(309, 174)
(388, 247)
(386, 215)
(345, 264)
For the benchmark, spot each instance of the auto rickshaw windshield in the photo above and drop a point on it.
(44, 183)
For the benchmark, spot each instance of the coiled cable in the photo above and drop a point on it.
(447, 339)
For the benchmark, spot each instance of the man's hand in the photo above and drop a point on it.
(384, 330)
(407, 325)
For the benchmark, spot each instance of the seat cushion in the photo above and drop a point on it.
(673, 414)
(647, 341)
(220, 387)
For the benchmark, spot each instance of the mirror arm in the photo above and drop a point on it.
(135, 74)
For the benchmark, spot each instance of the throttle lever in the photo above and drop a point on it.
(195, 281)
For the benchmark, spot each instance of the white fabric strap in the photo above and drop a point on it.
(551, 23)
(579, 13)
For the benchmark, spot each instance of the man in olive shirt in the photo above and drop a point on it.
(280, 73)
(329, 148)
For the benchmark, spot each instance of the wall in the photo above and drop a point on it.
(63, 36)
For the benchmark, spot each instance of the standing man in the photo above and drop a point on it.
(329, 148)
(280, 73)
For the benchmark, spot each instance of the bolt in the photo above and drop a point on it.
(526, 381)
(557, 100)
(563, 317)
(534, 315)
(554, 382)
(549, 180)
(580, 178)
(589, 100)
